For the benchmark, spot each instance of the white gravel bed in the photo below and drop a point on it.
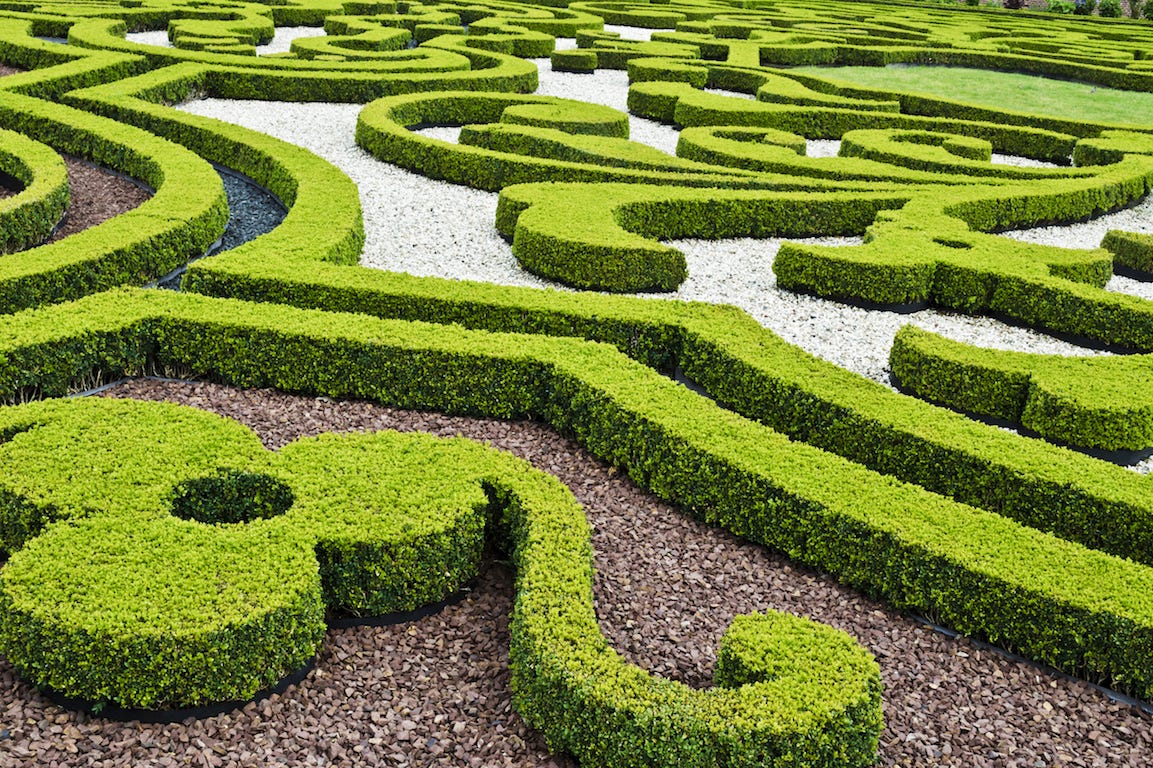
(412, 224)
(281, 41)
(1020, 162)
(448, 133)
(739, 271)
(1089, 234)
(157, 37)
(609, 87)
(633, 33)
(731, 94)
(425, 227)
(822, 148)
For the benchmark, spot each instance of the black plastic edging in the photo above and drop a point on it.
(168, 716)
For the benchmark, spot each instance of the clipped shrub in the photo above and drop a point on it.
(573, 61)
(215, 612)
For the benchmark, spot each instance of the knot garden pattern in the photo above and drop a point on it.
(1020, 541)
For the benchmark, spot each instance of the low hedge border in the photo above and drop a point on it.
(164, 611)
(773, 151)
(1087, 402)
(29, 216)
(445, 63)
(56, 69)
(602, 236)
(382, 130)
(188, 212)
(680, 103)
(757, 374)
(1074, 608)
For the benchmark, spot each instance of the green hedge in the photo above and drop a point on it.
(1090, 402)
(1075, 608)
(680, 103)
(383, 130)
(136, 606)
(602, 236)
(737, 361)
(447, 63)
(28, 217)
(573, 61)
(162, 612)
(188, 212)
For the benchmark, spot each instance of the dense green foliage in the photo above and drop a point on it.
(905, 500)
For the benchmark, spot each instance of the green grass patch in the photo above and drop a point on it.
(1003, 90)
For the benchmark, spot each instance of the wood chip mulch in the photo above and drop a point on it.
(435, 692)
(98, 194)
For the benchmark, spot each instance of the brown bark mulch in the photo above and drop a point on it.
(435, 692)
(98, 194)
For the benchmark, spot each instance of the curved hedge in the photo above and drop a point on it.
(134, 605)
(951, 548)
(179, 222)
(1091, 402)
(29, 216)
(1075, 608)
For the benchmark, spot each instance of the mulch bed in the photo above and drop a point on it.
(435, 692)
(98, 194)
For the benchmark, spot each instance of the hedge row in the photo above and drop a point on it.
(140, 607)
(375, 522)
(1075, 608)
(180, 221)
(883, 163)
(1091, 402)
(680, 103)
(28, 217)
(927, 253)
(735, 359)
(449, 62)
(383, 130)
(602, 236)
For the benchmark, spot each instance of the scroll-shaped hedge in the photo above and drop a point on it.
(122, 599)
(733, 358)
(1090, 402)
(188, 212)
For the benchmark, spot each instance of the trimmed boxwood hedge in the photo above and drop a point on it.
(688, 450)
(29, 216)
(122, 600)
(1075, 608)
(1091, 402)
(737, 361)
(179, 222)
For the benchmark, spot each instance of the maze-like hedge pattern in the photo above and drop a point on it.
(1016, 540)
